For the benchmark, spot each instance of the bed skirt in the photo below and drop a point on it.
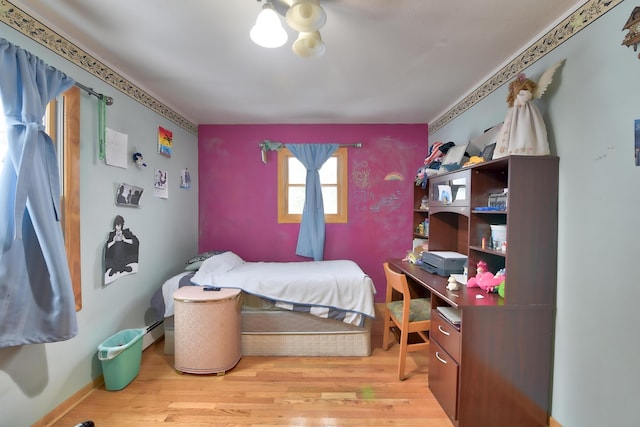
(287, 333)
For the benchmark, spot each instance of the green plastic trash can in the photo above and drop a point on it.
(120, 355)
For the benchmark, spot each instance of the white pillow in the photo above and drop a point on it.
(194, 266)
(201, 257)
(214, 266)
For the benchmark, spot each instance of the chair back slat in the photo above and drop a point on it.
(397, 281)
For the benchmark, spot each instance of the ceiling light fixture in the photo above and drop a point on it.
(309, 45)
(268, 31)
(304, 16)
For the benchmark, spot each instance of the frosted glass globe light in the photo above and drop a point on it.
(309, 45)
(306, 16)
(268, 31)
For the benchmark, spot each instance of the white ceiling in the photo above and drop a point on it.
(387, 61)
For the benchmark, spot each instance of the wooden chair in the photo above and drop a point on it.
(407, 314)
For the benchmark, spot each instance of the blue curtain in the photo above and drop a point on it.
(311, 236)
(36, 295)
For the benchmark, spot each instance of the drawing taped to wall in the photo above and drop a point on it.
(120, 252)
(161, 184)
(185, 178)
(116, 144)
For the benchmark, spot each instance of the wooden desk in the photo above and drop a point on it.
(437, 285)
(495, 369)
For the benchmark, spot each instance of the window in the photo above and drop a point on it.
(67, 115)
(291, 187)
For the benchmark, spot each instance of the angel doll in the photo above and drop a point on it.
(524, 131)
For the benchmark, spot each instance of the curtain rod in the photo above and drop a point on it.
(272, 144)
(108, 99)
(267, 145)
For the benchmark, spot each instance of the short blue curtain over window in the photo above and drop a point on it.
(36, 295)
(312, 227)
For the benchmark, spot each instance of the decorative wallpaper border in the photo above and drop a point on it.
(35, 30)
(583, 16)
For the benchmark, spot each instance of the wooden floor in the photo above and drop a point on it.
(270, 391)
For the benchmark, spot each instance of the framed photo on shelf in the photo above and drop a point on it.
(488, 137)
(453, 159)
(487, 152)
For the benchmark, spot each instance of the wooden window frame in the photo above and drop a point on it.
(70, 201)
(342, 184)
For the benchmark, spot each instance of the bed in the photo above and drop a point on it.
(313, 308)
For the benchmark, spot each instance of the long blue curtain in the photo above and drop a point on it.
(36, 295)
(312, 229)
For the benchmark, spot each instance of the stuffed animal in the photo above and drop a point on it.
(138, 160)
(432, 162)
(486, 280)
(452, 284)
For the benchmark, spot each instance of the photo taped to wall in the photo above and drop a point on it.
(128, 195)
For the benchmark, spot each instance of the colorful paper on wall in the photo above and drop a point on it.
(165, 141)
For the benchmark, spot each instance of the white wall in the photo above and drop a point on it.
(590, 113)
(34, 379)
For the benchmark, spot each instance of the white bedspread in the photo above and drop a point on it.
(322, 285)
(168, 288)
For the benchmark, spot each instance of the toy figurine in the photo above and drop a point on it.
(137, 158)
(453, 284)
(524, 131)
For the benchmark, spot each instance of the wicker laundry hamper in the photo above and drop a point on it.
(207, 329)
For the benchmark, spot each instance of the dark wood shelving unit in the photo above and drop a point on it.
(495, 369)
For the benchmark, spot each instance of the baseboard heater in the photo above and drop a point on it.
(152, 334)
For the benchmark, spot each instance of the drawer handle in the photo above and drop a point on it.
(440, 358)
(443, 331)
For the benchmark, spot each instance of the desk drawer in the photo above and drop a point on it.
(443, 379)
(447, 335)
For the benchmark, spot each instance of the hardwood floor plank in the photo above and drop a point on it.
(269, 391)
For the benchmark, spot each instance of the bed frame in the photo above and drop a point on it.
(268, 331)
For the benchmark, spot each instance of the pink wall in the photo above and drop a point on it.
(238, 194)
